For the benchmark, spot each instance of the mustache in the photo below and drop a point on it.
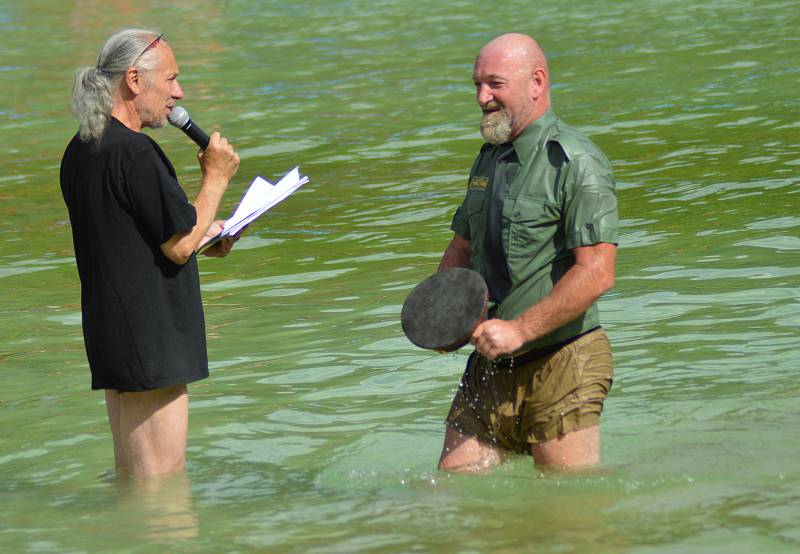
(491, 105)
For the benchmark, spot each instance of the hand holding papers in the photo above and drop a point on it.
(260, 197)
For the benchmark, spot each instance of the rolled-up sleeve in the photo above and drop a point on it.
(460, 224)
(590, 209)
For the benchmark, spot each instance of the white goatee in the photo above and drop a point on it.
(496, 127)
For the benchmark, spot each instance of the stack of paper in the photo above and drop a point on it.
(260, 197)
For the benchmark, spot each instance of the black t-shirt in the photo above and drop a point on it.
(143, 320)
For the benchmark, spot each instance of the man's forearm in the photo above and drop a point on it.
(206, 204)
(180, 247)
(572, 295)
(457, 254)
(218, 163)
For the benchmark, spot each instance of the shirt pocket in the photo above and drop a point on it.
(533, 224)
(475, 205)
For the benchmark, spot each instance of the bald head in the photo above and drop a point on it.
(516, 50)
(512, 86)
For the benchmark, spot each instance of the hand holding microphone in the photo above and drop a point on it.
(218, 161)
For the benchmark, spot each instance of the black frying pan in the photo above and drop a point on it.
(443, 310)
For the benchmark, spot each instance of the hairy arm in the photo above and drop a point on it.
(457, 254)
(591, 275)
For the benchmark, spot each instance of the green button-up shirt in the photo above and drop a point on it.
(559, 195)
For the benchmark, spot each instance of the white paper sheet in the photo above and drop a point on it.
(260, 197)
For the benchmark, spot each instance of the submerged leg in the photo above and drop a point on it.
(466, 454)
(576, 450)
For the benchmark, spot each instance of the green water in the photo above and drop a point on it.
(320, 426)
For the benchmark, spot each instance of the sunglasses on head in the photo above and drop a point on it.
(148, 47)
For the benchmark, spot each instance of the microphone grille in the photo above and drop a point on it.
(178, 117)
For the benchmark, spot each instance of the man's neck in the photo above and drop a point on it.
(539, 110)
(125, 112)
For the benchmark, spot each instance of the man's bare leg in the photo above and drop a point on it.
(577, 450)
(466, 454)
(160, 506)
(112, 408)
(152, 431)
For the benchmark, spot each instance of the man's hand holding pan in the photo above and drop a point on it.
(496, 337)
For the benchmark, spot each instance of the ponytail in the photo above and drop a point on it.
(92, 101)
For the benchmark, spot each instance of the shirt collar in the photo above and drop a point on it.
(534, 133)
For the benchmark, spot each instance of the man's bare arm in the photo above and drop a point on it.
(219, 163)
(457, 254)
(590, 276)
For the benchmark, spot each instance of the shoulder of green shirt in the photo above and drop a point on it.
(574, 143)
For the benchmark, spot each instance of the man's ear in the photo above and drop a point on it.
(133, 81)
(538, 83)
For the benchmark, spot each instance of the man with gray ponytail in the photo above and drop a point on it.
(135, 235)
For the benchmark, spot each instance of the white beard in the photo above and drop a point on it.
(496, 127)
(150, 117)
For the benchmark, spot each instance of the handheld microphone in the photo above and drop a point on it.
(180, 119)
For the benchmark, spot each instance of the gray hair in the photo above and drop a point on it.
(93, 89)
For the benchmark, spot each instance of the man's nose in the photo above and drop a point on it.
(483, 94)
(177, 93)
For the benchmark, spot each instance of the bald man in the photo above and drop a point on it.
(539, 223)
